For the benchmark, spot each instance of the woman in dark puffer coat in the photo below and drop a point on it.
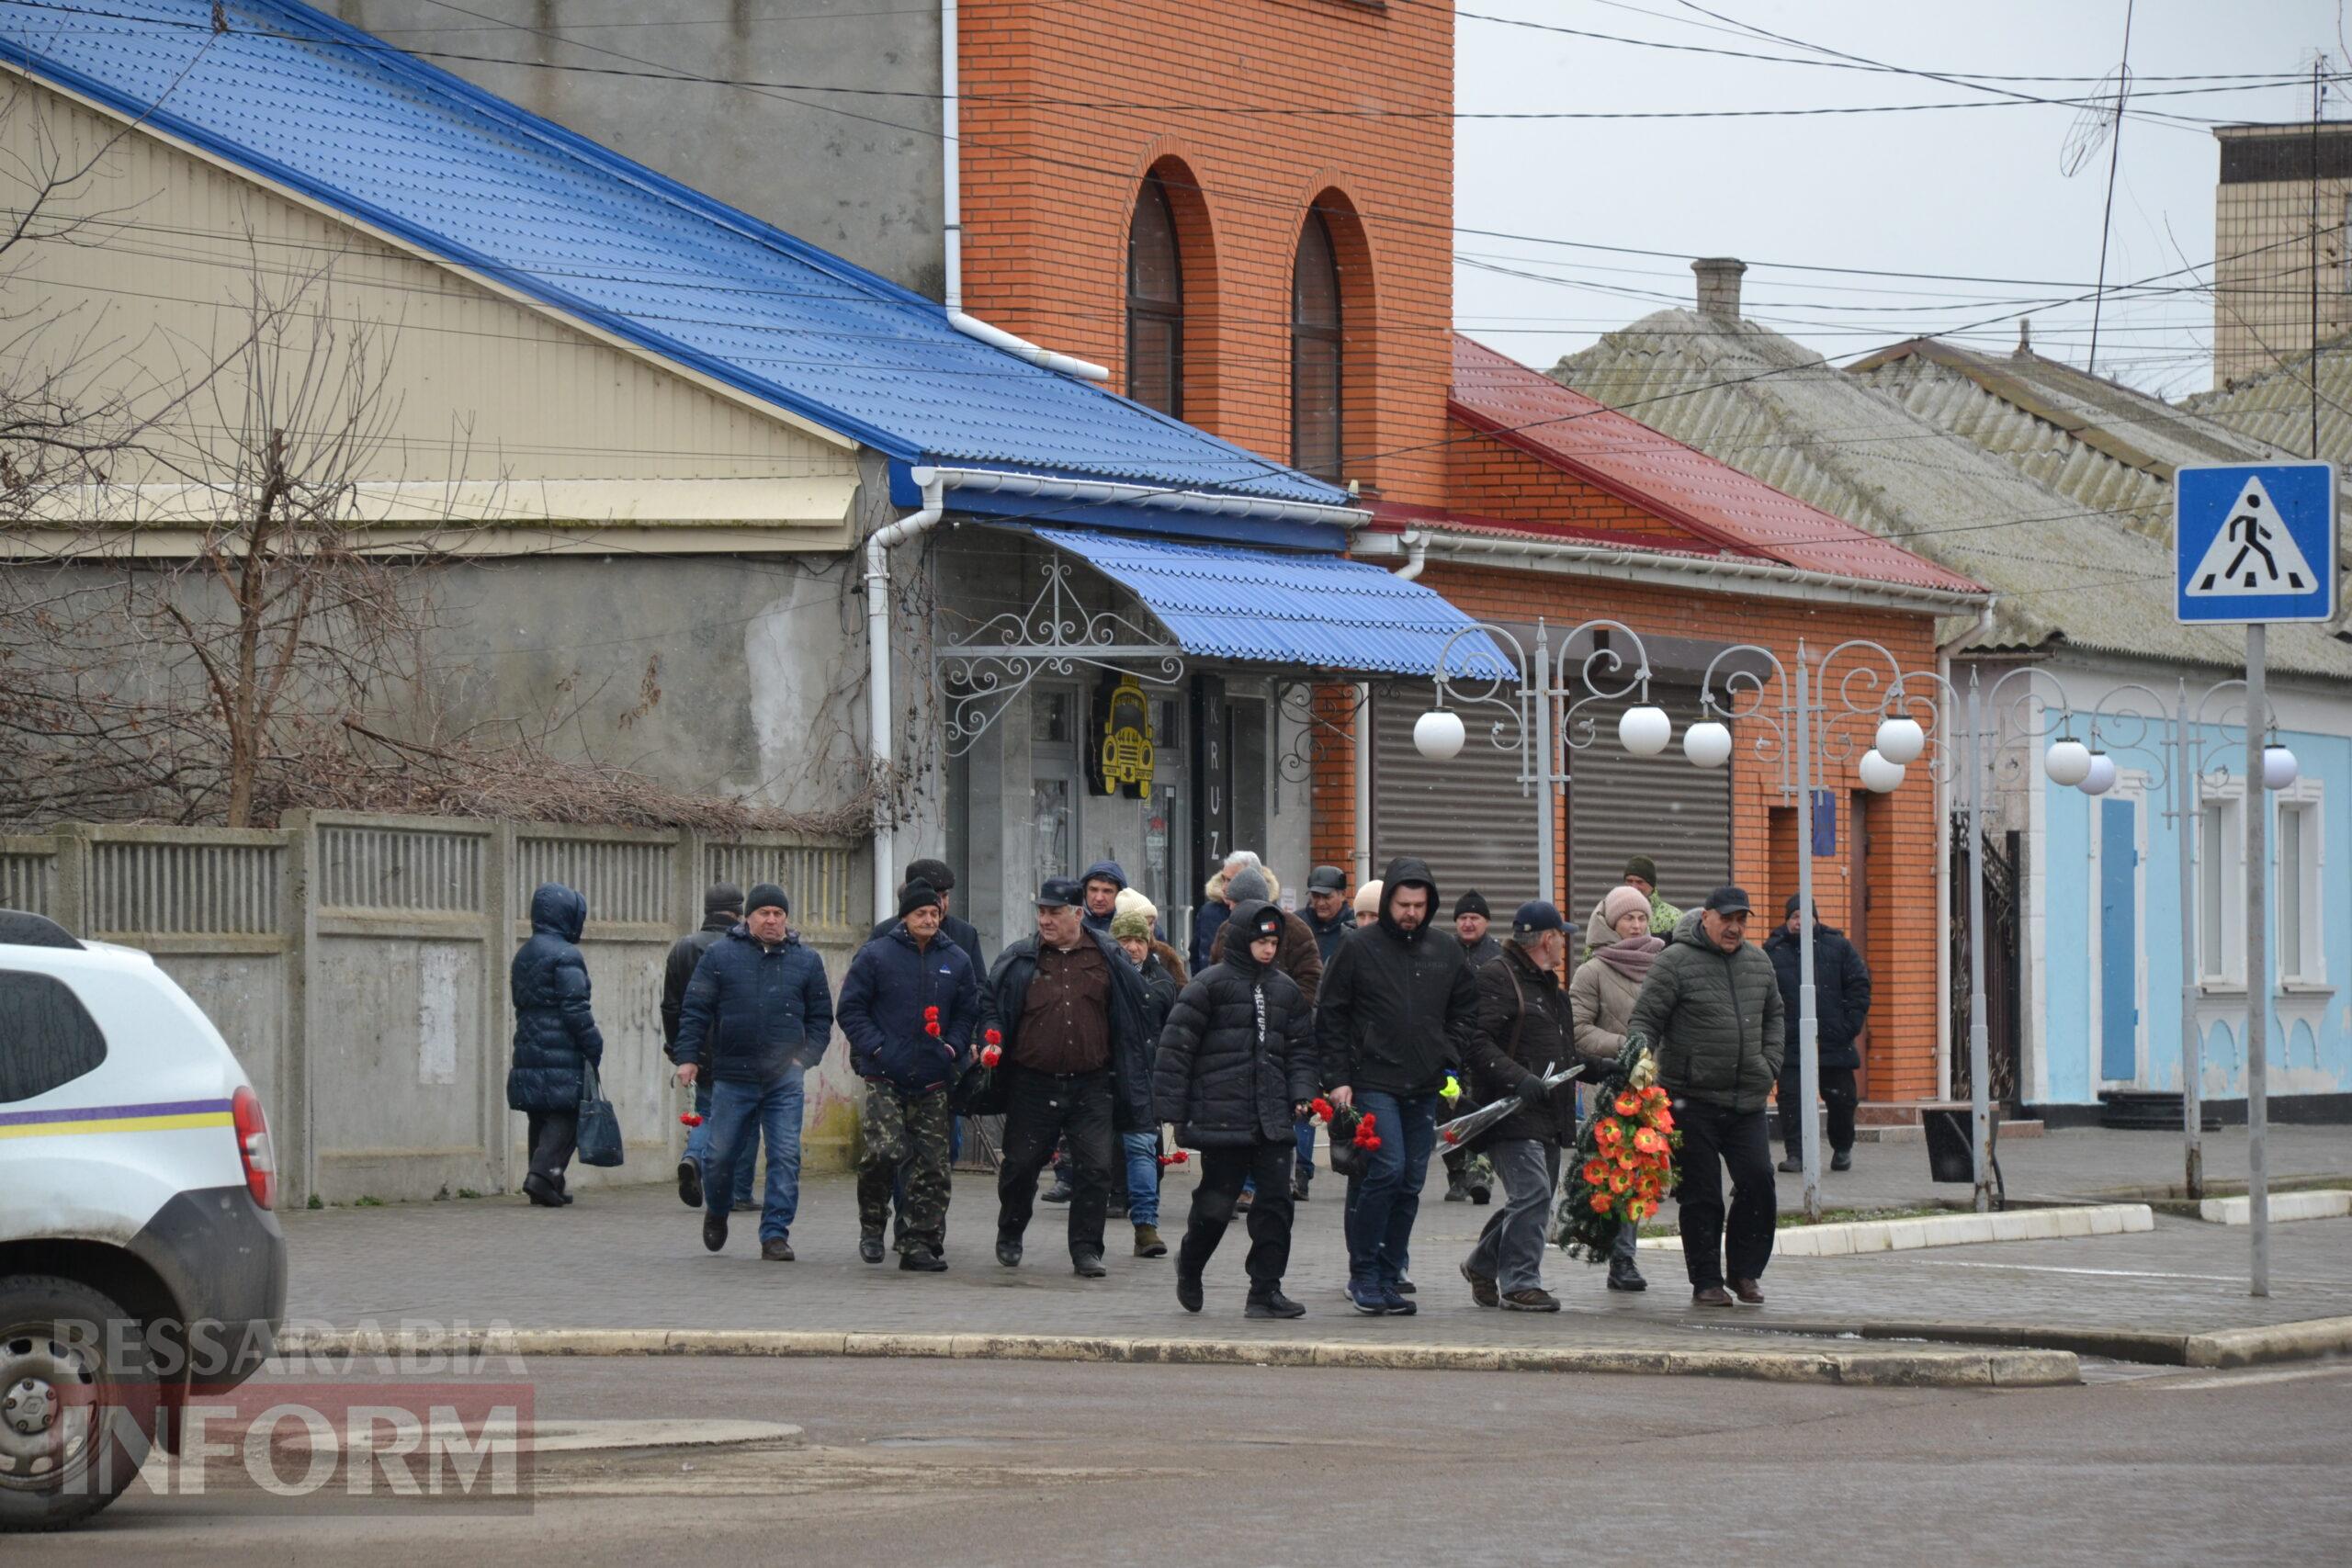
(1235, 1066)
(556, 1038)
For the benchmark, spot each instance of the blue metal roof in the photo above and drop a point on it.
(1265, 608)
(301, 99)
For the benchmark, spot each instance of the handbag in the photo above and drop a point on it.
(599, 1136)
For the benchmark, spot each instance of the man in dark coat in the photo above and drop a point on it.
(1327, 915)
(1301, 958)
(1468, 1177)
(1710, 1010)
(722, 905)
(1841, 1002)
(1100, 888)
(1398, 1007)
(556, 1038)
(756, 1017)
(910, 1007)
(1069, 1009)
(1525, 1029)
(935, 874)
(1236, 1069)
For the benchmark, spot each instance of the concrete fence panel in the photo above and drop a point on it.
(28, 875)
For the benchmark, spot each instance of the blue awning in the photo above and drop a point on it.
(1313, 610)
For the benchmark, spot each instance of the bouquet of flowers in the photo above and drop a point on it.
(1463, 1129)
(1354, 1135)
(1623, 1160)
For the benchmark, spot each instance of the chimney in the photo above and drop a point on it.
(1719, 285)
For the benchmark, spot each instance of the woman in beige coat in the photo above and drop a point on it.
(1600, 1003)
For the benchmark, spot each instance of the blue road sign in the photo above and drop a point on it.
(2254, 542)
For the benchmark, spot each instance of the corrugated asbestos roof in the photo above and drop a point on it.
(299, 98)
(1318, 610)
(2066, 569)
(1733, 510)
(2275, 407)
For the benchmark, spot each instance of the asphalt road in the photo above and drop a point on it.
(1029, 1464)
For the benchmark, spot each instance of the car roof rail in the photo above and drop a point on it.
(21, 928)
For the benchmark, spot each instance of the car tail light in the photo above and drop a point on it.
(253, 1147)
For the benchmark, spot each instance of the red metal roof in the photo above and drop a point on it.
(1555, 425)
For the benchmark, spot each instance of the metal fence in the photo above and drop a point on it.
(359, 966)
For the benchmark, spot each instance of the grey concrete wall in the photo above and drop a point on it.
(840, 147)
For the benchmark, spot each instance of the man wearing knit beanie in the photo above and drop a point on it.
(1469, 1178)
(722, 905)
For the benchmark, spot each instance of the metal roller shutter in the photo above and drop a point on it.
(1466, 817)
(1620, 805)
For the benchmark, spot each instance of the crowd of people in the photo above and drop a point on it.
(1091, 1035)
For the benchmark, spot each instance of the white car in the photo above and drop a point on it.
(138, 1255)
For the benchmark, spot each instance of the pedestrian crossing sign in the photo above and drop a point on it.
(2254, 542)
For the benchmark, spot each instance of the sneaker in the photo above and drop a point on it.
(1397, 1305)
(1842, 1160)
(1750, 1292)
(1369, 1300)
(1188, 1291)
(777, 1251)
(1482, 1286)
(1088, 1265)
(1061, 1193)
(690, 1183)
(1790, 1165)
(1710, 1296)
(747, 1205)
(1405, 1288)
(1455, 1191)
(921, 1260)
(1008, 1253)
(869, 1244)
(714, 1231)
(1147, 1242)
(1274, 1303)
(1624, 1276)
(1535, 1299)
(1299, 1184)
(1241, 1204)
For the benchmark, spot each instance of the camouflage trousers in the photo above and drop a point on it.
(905, 1138)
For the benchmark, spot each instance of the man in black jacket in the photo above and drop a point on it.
(935, 874)
(1524, 1029)
(1397, 1009)
(1841, 1002)
(722, 905)
(1069, 1009)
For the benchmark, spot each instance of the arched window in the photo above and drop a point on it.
(1315, 353)
(1155, 304)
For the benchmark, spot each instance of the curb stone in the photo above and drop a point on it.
(1992, 1367)
(2307, 1340)
(1852, 1236)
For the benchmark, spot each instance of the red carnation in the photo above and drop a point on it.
(993, 1037)
(931, 1028)
(690, 1119)
(989, 1054)
(931, 1012)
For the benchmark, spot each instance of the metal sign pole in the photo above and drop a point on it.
(1980, 1029)
(2184, 804)
(1809, 1020)
(2257, 964)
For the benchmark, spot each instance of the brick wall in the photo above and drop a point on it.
(1049, 190)
(1903, 937)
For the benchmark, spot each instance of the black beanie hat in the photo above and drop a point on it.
(765, 894)
(917, 895)
(722, 898)
(1472, 903)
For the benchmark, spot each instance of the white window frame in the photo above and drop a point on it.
(2302, 885)
(2220, 873)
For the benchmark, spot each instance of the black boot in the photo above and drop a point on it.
(1624, 1276)
(1271, 1304)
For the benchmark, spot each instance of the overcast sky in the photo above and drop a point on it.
(1974, 191)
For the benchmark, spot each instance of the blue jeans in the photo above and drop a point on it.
(698, 1144)
(1383, 1202)
(1142, 1150)
(1305, 1134)
(740, 1114)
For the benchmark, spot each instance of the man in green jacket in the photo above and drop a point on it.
(1712, 1011)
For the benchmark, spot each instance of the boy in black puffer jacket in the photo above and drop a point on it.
(1235, 1066)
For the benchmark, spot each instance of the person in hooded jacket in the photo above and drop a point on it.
(1398, 1007)
(1600, 1003)
(757, 1015)
(556, 1038)
(1841, 1004)
(1236, 1067)
(1524, 1032)
(910, 1007)
(722, 905)
(1101, 886)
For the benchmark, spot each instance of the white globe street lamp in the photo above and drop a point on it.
(1645, 731)
(1438, 735)
(2280, 768)
(1707, 744)
(2069, 762)
(1900, 741)
(2100, 776)
(1879, 773)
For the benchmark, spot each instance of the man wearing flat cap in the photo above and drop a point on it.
(1712, 1011)
(1069, 1009)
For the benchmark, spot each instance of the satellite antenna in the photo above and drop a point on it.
(2094, 124)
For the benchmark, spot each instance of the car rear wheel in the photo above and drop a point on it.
(77, 1403)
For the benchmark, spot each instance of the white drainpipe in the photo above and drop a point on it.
(1943, 869)
(951, 184)
(1417, 555)
(880, 729)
